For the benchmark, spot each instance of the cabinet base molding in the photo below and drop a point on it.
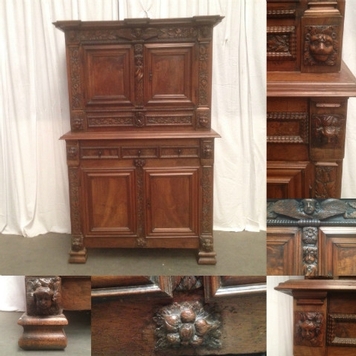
(43, 332)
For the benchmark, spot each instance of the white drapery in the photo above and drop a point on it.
(34, 107)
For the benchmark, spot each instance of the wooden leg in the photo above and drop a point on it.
(43, 321)
(207, 255)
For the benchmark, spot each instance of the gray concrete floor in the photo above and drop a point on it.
(238, 253)
(77, 331)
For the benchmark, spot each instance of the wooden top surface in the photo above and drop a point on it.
(297, 84)
(138, 135)
(293, 285)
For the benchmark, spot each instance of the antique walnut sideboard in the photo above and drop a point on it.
(308, 87)
(311, 237)
(141, 149)
(324, 313)
(189, 315)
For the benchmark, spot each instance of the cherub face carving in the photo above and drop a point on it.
(308, 206)
(43, 299)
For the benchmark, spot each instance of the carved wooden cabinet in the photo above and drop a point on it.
(141, 149)
(308, 87)
(189, 315)
(311, 237)
(324, 316)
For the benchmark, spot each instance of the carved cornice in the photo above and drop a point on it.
(311, 212)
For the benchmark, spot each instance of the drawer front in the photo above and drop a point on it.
(180, 151)
(99, 152)
(142, 152)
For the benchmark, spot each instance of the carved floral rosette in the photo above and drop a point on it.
(187, 324)
(43, 296)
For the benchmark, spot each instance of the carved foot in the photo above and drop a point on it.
(207, 258)
(78, 256)
(78, 253)
(207, 255)
(43, 321)
(43, 332)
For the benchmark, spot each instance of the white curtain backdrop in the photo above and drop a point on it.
(349, 56)
(34, 107)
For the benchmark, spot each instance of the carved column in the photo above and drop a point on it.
(43, 321)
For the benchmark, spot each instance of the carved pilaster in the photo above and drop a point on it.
(139, 63)
(43, 321)
(187, 324)
(139, 164)
(78, 252)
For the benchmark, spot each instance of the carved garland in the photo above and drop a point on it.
(187, 324)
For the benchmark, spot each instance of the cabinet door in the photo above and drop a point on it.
(283, 251)
(339, 248)
(172, 201)
(109, 202)
(170, 74)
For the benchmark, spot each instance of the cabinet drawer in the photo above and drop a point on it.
(99, 152)
(180, 151)
(143, 152)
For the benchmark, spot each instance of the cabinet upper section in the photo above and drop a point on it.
(140, 73)
(305, 35)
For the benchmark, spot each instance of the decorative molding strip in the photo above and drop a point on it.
(281, 43)
(281, 13)
(338, 330)
(187, 324)
(285, 117)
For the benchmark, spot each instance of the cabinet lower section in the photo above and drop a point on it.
(141, 193)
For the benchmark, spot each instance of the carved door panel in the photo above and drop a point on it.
(108, 75)
(172, 201)
(170, 72)
(284, 251)
(178, 315)
(109, 202)
(339, 248)
(287, 180)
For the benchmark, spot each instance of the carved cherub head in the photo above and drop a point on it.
(43, 298)
(310, 254)
(309, 206)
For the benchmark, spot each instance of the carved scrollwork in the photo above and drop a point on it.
(43, 296)
(203, 74)
(308, 328)
(321, 45)
(187, 324)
